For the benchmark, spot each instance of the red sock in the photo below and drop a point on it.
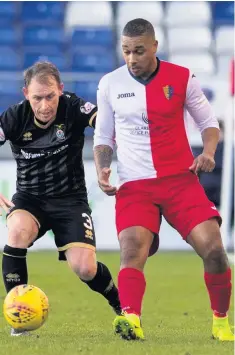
(219, 288)
(131, 287)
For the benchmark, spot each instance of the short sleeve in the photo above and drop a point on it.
(84, 111)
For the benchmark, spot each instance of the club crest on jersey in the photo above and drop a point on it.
(168, 91)
(60, 132)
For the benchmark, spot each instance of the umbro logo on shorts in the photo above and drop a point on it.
(122, 96)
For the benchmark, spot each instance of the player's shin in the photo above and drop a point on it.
(219, 289)
(103, 284)
(131, 287)
(14, 267)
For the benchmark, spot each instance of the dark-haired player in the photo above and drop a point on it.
(141, 107)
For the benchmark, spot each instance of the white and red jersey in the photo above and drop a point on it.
(146, 120)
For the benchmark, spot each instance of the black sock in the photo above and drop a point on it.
(103, 284)
(14, 267)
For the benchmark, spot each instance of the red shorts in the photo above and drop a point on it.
(180, 199)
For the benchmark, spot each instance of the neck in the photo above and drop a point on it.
(152, 69)
(42, 124)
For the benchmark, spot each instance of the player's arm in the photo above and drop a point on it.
(83, 111)
(104, 138)
(6, 122)
(202, 113)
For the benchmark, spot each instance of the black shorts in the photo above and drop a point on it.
(68, 217)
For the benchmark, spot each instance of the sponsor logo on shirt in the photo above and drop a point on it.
(87, 108)
(27, 155)
(2, 135)
(128, 94)
(168, 91)
(145, 118)
(27, 136)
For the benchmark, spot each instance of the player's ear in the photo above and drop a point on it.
(25, 92)
(61, 89)
(156, 46)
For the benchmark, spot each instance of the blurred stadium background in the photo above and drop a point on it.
(83, 39)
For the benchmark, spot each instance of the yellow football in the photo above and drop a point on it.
(26, 307)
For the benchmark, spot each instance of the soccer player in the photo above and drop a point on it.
(141, 108)
(46, 133)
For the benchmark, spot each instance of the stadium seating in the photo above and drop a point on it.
(10, 60)
(223, 13)
(82, 13)
(43, 12)
(149, 10)
(188, 40)
(198, 63)
(224, 37)
(9, 11)
(78, 36)
(188, 13)
(43, 35)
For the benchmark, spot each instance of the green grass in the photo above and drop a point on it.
(176, 314)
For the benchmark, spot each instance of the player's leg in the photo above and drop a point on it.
(23, 222)
(197, 220)
(75, 240)
(96, 275)
(206, 240)
(23, 229)
(137, 220)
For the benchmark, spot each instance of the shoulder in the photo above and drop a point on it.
(69, 98)
(113, 77)
(168, 66)
(18, 111)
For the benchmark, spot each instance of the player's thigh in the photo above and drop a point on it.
(74, 229)
(23, 221)
(187, 205)
(137, 220)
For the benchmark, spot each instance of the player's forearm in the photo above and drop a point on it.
(103, 157)
(210, 138)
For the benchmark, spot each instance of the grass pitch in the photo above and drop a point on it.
(176, 315)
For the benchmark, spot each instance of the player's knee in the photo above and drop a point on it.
(83, 262)
(21, 232)
(214, 252)
(85, 271)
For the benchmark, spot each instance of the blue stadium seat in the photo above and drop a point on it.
(223, 12)
(40, 35)
(9, 59)
(96, 61)
(9, 11)
(10, 87)
(87, 89)
(92, 36)
(52, 54)
(9, 35)
(8, 100)
(49, 11)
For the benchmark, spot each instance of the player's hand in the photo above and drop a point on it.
(204, 162)
(5, 204)
(103, 181)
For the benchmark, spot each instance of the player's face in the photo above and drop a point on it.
(44, 98)
(140, 54)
